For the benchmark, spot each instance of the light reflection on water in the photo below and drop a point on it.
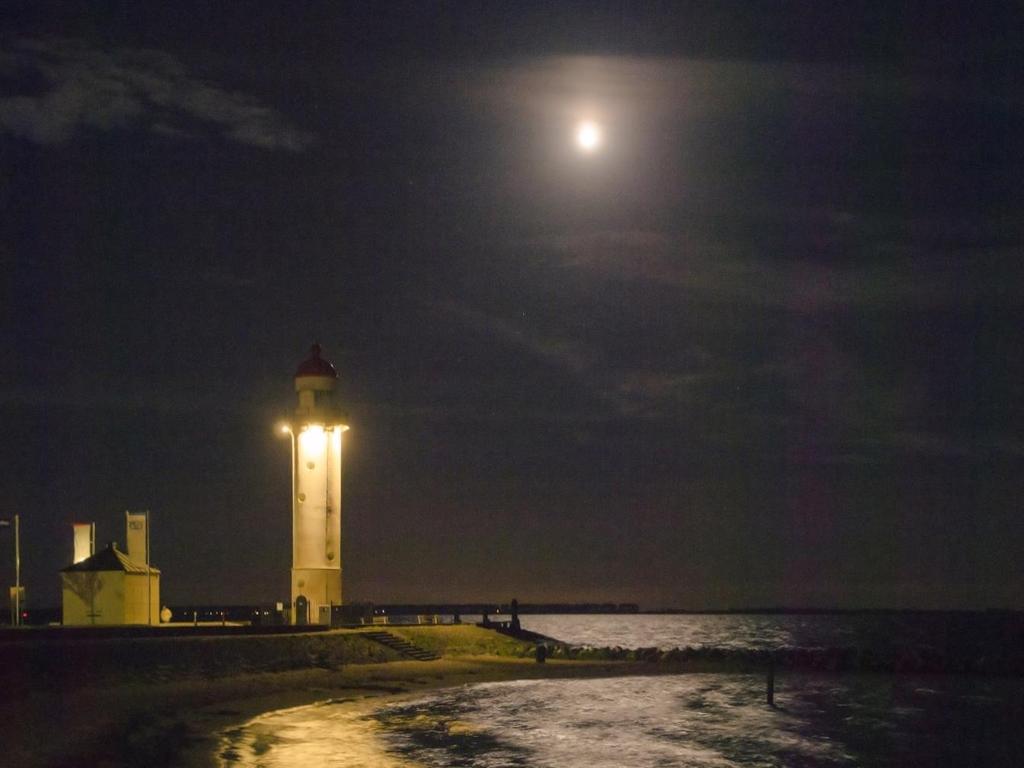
(690, 720)
(654, 722)
(955, 633)
(675, 631)
(331, 733)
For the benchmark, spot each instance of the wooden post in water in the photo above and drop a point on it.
(771, 680)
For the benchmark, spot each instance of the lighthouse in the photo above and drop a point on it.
(316, 490)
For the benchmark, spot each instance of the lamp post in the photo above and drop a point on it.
(5, 523)
(286, 429)
(17, 570)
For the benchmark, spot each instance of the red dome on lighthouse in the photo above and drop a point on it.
(314, 365)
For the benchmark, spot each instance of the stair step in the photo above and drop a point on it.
(401, 645)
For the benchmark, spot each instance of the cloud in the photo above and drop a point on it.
(88, 88)
(889, 275)
(821, 411)
(949, 446)
(898, 445)
(638, 392)
(660, 85)
(561, 353)
(649, 393)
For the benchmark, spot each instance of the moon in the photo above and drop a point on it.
(588, 136)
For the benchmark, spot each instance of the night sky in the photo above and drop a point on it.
(763, 347)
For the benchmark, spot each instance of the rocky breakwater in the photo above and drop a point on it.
(909, 660)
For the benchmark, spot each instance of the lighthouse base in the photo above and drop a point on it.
(313, 588)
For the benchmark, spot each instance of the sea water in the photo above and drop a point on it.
(674, 720)
(708, 720)
(703, 720)
(954, 632)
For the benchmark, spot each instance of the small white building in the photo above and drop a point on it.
(109, 588)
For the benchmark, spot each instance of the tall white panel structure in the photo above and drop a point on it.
(137, 536)
(85, 541)
(316, 490)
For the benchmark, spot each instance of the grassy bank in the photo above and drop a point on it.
(463, 640)
(72, 662)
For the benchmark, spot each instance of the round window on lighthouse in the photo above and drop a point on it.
(310, 464)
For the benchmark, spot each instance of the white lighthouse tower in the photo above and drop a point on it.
(316, 490)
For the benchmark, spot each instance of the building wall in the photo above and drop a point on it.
(318, 498)
(316, 569)
(136, 596)
(108, 597)
(93, 597)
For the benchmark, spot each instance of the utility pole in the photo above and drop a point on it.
(17, 570)
(16, 597)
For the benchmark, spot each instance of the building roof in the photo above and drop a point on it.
(110, 559)
(315, 365)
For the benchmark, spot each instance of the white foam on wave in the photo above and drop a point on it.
(644, 722)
